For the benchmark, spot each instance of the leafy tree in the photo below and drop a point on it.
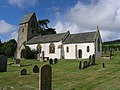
(9, 47)
(43, 28)
(27, 53)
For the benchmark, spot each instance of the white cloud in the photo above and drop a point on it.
(22, 3)
(85, 17)
(6, 28)
(14, 35)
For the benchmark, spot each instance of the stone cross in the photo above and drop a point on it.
(3, 63)
(45, 78)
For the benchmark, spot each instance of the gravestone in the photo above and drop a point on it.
(85, 64)
(17, 61)
(3, 63)
(93, 59)
(23, 72)
(103, 65)
(35, 69)
(51, 61)
(80, 65)
(45, 78)
(89, 62)
(55, 60)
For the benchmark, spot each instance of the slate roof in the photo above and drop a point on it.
(80, 38)
(26, 18)
(47, 38)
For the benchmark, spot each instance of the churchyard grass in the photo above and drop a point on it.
(66, 75)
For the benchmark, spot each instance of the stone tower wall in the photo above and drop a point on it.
(26, 31)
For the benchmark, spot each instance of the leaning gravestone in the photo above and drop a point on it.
(80, 65)
(23, 72)
(103, 65)
(51, 61)
(35, 69)
(89, 62)
(93, 59)
(55, 60)
(3, 63)
(45, 78)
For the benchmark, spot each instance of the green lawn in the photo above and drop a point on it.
(66, 76)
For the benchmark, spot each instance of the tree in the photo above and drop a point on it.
(43, 28)
(9, 47)
(27, 53)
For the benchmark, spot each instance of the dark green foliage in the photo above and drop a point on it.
(9, 47)
(43, 28)
(27, 53)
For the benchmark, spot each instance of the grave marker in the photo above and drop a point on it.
(23, 72)
(45, 78)
(3, 63)
(35, 69)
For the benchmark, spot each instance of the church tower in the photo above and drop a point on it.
(27, 30)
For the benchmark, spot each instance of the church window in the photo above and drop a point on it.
(88, 49)
(23, 30)
(51, 48)
(67, 49)
(39, 48)
(98, 44)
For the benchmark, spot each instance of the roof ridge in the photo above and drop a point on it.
(83, 33)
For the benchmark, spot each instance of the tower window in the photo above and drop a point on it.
(23, 30)
(88, 49)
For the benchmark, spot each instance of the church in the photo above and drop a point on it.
(61, 45)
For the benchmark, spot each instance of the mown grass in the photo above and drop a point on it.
(66, 75)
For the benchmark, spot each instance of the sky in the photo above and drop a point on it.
(76, 16)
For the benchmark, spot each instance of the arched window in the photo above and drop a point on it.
(88, 49)
(51, 48)
(98, 44)
(67, 49)
(39, 48)
(23, 30)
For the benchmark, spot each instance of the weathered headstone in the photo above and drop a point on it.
(23, 72)
(93, 59)
(103, 65)
(45, 78)
(17, 61)
(80, 65)
(85, 63)
(51, 61)
(35, 69)
(3, 63)
(55, 60)
(89, 62)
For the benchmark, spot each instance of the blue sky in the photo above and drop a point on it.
(73, 15)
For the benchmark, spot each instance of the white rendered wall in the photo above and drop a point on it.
(83, 46)
(45, 48)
